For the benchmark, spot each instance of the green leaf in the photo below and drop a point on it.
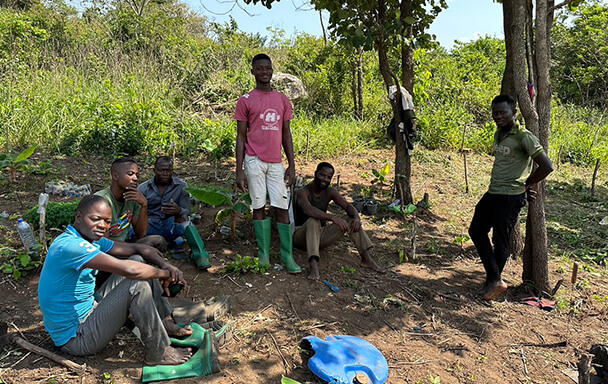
(409, 208)
(25, 260)
(241, 207)
(384, 171)
(7, 268)
(222, 215)
(16, 274)
(287, 380)
(25, 154)
(246, 197)
(210, 195)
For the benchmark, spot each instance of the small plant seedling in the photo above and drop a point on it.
(14, 163)
(216, 196)
(245, 264)
(350, 270)
(19, 264)
(403, 256)
(107, 378)
(460, 240)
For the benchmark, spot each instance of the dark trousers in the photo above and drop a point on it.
(499, 213)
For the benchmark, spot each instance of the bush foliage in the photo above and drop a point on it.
(117, 80)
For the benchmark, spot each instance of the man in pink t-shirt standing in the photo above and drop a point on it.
(263, 117)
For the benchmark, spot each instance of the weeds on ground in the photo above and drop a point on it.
(18, 264)
(244, 265)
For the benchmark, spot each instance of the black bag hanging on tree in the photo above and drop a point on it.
(407, 127)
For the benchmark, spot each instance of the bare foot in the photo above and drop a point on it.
(175, 331)
(172, 356)
(494, 290)
(314, 269)
(481, 291)
(369, 263)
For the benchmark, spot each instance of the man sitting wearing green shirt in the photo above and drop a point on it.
(516, 151)
(129, 208)
(129, 205)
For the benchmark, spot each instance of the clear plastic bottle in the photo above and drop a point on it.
(26, 234)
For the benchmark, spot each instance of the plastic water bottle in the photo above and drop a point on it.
(26, 234)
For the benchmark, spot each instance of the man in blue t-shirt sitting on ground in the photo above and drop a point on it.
(80, 326)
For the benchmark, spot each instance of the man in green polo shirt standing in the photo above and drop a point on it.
(513, 177)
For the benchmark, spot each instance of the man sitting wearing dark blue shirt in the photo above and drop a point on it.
(169, 207)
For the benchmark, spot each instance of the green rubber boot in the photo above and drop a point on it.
(262, 233)
(287, 248)
(200, 256)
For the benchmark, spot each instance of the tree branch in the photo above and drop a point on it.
(560, 5)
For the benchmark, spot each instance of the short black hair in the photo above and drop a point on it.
(260, 56)
(325, 164)
(163, 159)
(120, 161)
(88, 201)
(505, 99)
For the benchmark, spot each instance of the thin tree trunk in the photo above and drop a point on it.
(323, 27)
(360, 84)
(353, 88)
(508, 86)
(535, 253)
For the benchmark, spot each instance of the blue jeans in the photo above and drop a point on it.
(168, 229)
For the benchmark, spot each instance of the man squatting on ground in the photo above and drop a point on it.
(79, 325)
(516, 151)
(168, 210)
(263, 116)
(311, 216)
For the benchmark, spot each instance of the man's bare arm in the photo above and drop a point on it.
(287, 141)
(241, 136)
(316, 213)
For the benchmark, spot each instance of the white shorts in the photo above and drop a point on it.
(266, 179)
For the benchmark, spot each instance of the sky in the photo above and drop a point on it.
(463, 20)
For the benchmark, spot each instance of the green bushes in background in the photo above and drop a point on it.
(115, 82)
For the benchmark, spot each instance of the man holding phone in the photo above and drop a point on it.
(168, 207)
(167, 201)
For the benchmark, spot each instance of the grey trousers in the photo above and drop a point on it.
(121, 298)
(313, 237)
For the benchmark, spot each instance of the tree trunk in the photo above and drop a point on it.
(403, 161)
(517, 241)
(508, 86)
(353, 88)
(403, 166)
(360, 84)
(535, 267)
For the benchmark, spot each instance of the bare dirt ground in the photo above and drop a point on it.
(421, 315)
